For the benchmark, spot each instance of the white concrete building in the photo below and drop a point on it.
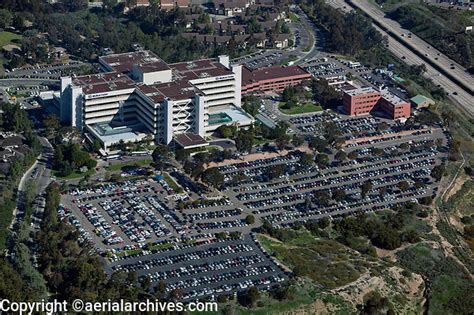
(138, 94)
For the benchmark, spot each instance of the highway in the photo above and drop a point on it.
(431, 54)
(457, 94)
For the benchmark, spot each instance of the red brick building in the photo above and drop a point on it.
(394, 106)
(364, 100)
(272, 79)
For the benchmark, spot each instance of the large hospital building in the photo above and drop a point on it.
(138, 94)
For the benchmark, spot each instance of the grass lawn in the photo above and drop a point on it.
(300, 109)
(74, 175)
(8, 38)
(129, 252)
(5, 39)
(118, 166)
(161, 246)
(172, 183)
(293, 17)
(257, 141)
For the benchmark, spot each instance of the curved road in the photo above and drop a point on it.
(314, 32)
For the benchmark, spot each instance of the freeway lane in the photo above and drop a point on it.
(430, 53)
(463, 98)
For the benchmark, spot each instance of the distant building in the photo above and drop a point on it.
(230, 7)
(365, 100)
(12, 149)
(272, 79)
(143, 3)
(281, 41)
(171, 4)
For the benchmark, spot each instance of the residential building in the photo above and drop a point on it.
(281, 41)
(230, 7)
(171, 4)
(12, 148)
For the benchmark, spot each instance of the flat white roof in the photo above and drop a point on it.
(236, 114)
(124, 133)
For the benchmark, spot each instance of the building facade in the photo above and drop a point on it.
(365, 100)
(272, 79)
(139, 94)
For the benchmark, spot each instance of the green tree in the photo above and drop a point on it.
(227, 131)
(352, 155)
(161, 155)
(282, 141)
(275, 171)
(52, 125)
(365, 188)
(322, 197)
(322, 160)
(213, 177)
(95, 146)
(250, 219)
(244, 140)
(249, 298)
(318, 144)
(306, 160)
(181, 155)
(339, 195)
(6, 18)
(297, 141)
(340, 155)
(403, 185)
(251, 105)
(438, 172)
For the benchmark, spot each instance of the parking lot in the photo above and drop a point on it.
(137, 212)
(54, 71)
(208, 267)
(388, 158)
(206, 247)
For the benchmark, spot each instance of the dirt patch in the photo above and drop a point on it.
(254, 157)
(458, 183)
(388, 284)
(316, 308)
(387, 135)
(382, 253)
